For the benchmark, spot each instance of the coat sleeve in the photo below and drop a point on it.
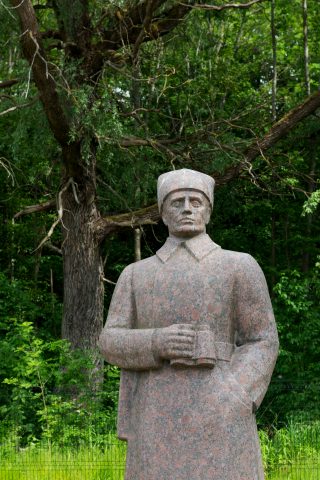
(257, 342)
(120, 342)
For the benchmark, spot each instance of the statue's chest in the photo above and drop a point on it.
(183, 290)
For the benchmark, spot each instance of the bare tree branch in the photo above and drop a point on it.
(144, 216)
(130, 28)
(8, 83)
(17, 107)
(143, 142)
(6, 165)
(43, 7)
(219, 8)
(51, 34)
(53, 248)
(283, 126)
(141, 22)
(60, 206)
(41, 207)
(150, 8)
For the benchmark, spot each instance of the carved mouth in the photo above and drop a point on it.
(186, 221)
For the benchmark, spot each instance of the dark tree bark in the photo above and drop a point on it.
(306, 46)
(83, 274)
(274, 62)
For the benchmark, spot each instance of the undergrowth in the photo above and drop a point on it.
(289, 453)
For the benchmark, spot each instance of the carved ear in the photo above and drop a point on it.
(164, 218)
(208, 214)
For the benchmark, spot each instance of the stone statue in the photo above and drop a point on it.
(193, 331)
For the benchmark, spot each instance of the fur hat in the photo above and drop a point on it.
(184, 179)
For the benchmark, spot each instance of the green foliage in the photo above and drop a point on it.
(296, 379)
(299, 297)
(41, 378)
(47, 386)
(32, 370)
(312, 203)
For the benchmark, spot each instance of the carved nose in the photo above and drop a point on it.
(187, 207)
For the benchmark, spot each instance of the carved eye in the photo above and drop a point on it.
(196, 203)
(176, 203)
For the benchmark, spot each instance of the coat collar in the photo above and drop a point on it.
(199, 246)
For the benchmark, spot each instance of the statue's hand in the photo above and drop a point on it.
(176, 341)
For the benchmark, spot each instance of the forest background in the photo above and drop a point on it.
(98, 99)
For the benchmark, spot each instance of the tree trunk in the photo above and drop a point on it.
(83, 274)
(306, 46)
(274, 62)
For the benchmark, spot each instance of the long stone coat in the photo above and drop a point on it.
(192, 423)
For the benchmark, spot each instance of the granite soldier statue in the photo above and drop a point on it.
(193, 331)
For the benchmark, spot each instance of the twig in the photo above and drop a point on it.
(17, 107)
(74, 190)
(108, 281)
(41, 207)
(17, 6)
(8, 83)
(36, 53)
(8, 9)
(6, 165)
(53, 248)
(222, 7)
(114, 192)
(60, 214)
(151, 5)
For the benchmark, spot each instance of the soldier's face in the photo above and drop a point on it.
(186, 213)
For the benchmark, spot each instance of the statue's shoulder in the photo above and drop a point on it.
(137, 269)
(142, 265)
(233, 255)
(239, 260)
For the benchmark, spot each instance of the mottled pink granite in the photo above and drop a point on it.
(193, 330)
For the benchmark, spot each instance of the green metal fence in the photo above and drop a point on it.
(90, 450)
(49, 462)
(291, 452)
(297, 472)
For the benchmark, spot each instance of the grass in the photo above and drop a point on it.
(289, 453)
(47, 462)
(297, 473)
(292, 452)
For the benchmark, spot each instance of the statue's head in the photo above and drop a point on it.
(185, 199)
